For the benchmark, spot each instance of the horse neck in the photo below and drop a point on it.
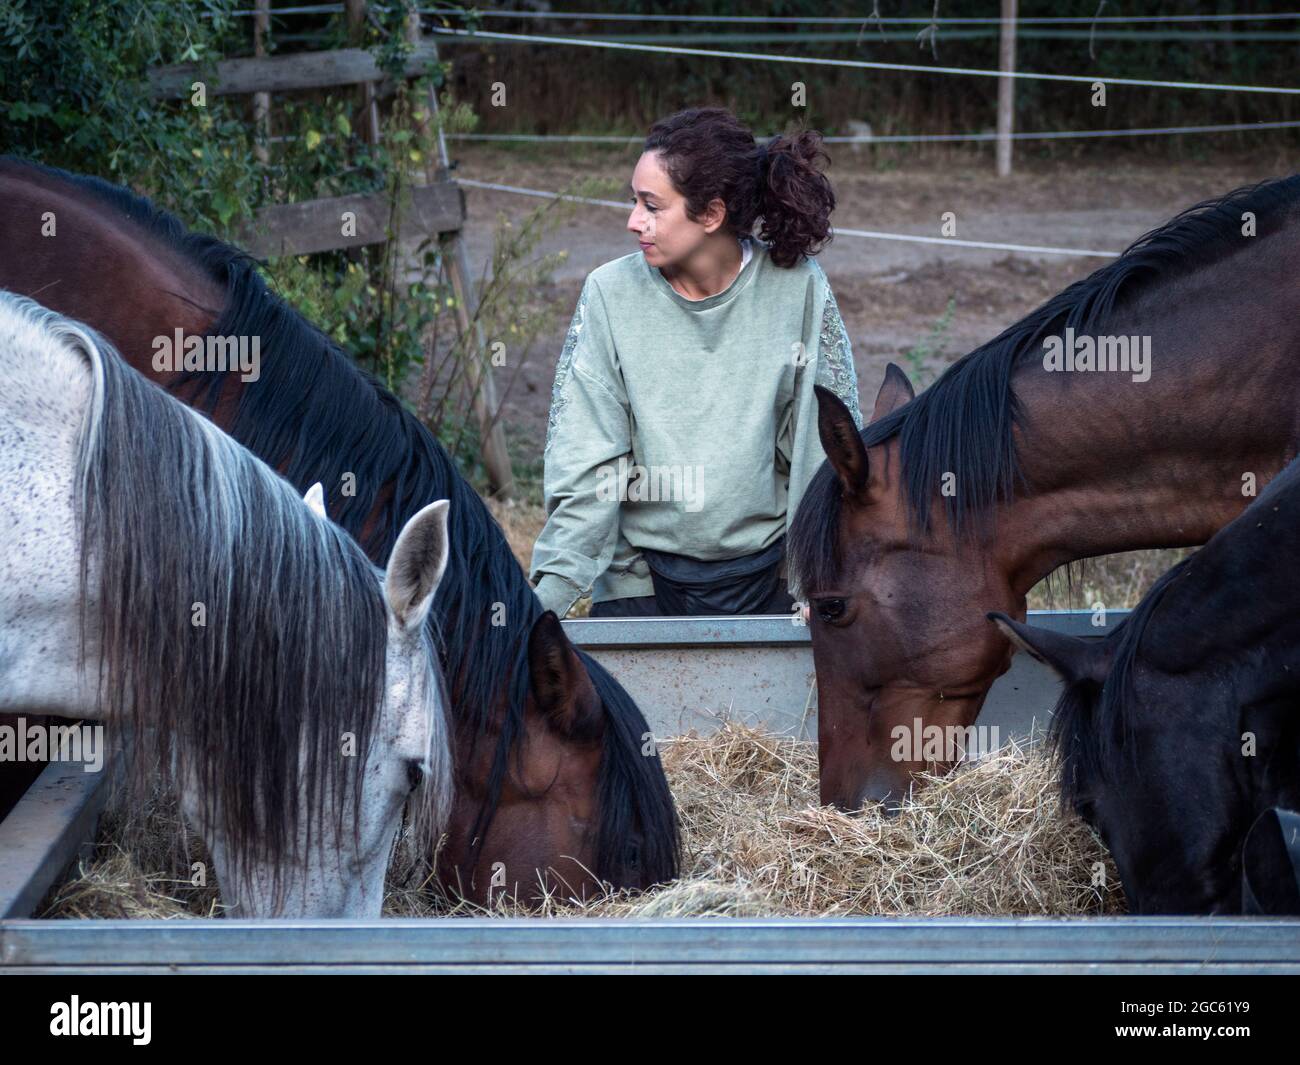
(1113, 464)
(1232, 607)
(150, 290)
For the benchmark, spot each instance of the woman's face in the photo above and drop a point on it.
(659, 219)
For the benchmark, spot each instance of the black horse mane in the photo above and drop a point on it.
(1090, 721)
(314, 415)
(964, 423)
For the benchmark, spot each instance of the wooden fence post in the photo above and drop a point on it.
(482, 385)
(261, 100)
(356, 16)
(437, 201)
(1006, 87)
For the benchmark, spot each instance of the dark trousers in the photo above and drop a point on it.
(647, 606)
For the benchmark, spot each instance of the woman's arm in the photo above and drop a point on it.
(831, 366)
(587, 433)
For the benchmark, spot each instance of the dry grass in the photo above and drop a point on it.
(522, 523)
(1116, 581)
(988, 840)
(135, 870)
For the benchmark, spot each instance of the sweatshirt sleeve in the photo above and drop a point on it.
(589, 428)
(832, 367)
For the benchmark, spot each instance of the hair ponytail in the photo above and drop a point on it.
(709, 155)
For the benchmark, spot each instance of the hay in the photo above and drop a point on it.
(990, 839)
(133, 868)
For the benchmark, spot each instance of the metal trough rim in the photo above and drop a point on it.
(770, 944)
(46, 830)
(761, 629)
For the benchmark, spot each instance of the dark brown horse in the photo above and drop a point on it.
(1178, 732)
(1017, 461)
(555, 778)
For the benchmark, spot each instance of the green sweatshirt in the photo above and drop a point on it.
(686, 426)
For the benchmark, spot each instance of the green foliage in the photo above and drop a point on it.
(74, 92)
(918, 357)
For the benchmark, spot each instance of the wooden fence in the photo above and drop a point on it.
(436, 208)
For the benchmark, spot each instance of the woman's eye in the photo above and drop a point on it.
(830, 609)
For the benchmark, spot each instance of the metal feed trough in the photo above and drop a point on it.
(692, 673)
(684, 673)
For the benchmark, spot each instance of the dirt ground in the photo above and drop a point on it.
(893, 296)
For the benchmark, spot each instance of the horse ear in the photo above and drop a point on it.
(562, 692)
(841, 441)
(416, 566)
(1072, 659)
(895, 390)
(315, 499)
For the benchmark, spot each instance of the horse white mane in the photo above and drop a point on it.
(235, 634)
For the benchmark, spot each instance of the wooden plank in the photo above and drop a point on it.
(280, 73)
(318, 225)
(45, 830)
(605, 944)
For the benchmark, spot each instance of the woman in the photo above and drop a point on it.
(683, 423)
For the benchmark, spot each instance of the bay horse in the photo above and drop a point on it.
(1181, 728)
(958, 501)
(558, 780)
(157, 577)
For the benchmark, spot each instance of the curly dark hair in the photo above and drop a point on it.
(708, 154)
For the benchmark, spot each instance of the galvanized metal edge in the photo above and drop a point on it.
(878, 944)
(768, 629)
(45, 830)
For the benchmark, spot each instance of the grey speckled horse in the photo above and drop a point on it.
(157, 577)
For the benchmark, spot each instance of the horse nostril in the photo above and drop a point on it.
(880, 796)
(890, 806)
(883, 798)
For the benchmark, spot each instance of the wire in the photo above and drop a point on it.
(902, 138)
(827, 20)
(842, 20)
(861, 64)
(864, 233)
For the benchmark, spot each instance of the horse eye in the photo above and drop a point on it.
(1086, 809)
(830, 609)
(415, 773)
